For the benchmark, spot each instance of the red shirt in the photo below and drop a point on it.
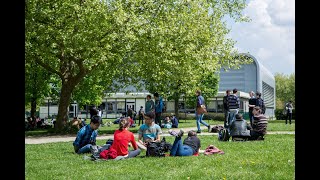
(121, 141)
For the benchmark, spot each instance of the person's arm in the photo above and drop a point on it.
(80, 135)
(133, 142)
(159, 131)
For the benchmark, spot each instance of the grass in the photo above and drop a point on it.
(274, 125)
(273, 158)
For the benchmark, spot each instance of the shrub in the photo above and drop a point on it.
(280, 116)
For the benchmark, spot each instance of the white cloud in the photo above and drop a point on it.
(270, 36)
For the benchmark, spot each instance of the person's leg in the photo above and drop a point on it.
(85, 149)
(104, 147)
(287, 118)
(185, 150)
(198, 122)
(134, 153)
(176, 145)
(250, 118)
(226, 116)
(203, 122)
(290, 117)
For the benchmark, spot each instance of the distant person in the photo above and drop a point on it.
(252, 104)
(200, 101)
(225, 108)
(149, 106)
(189, 147)
(166, 123)
(289, 108)
(93, 111)
(239, 128)
(149, 131)
(130, 112)
(158, 106)
(233, 105)
(174, 120)
(141, 113)
(260, 123)
(122, 138)
(260, 102)
(86, 136)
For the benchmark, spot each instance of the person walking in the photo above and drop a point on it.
(199, 116)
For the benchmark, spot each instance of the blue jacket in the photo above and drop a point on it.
(159, 105)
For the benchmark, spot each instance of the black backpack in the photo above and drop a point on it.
(158, 149)
(223, 135)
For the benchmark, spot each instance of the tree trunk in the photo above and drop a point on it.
(33, 108)
(63, 109)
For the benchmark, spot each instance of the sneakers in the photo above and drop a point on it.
(198, 132)
(173, 133)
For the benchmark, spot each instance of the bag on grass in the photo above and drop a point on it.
(158, 149)
(223, 135)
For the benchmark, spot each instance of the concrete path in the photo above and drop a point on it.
(68, 138)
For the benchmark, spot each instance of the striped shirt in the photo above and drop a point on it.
(233, 101)
(260, 124)
(85, 136)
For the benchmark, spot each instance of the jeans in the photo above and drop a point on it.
(199, 120)
(158, 119)
(178, 149)
(226, 118)
(251, 117)
(87, 148)
(134, 153)
(232, 115)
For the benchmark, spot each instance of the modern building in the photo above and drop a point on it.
(249, 77)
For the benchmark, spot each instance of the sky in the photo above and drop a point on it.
(269, 36)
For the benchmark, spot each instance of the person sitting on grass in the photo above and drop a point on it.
(174, 121)
(149, 131)
(259, 125)
(189, 147)
(239, 129)
(166, 123)
(86, 136)
(122, 138)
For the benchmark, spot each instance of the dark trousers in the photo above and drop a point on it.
(158, 119)
(140, 119)
(289, 115)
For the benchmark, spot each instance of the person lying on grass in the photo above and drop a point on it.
(189, 147)
(86, 136)
(149, 131)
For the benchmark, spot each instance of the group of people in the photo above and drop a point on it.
(238, 128)
(123, 138)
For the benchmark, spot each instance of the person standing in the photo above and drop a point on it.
(233, 105)
(199, 116)
(149, 105)
(260, 102)
(141, 113)
(130, 112)
(225, 106)
(158, 106)
(289, 108)
(252, 104)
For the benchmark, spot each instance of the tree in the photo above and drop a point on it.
(185, 45)
(76, 40)
(285, 89)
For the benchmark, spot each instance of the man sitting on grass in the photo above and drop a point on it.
(259, 125)
(86, 136)
(148, 131)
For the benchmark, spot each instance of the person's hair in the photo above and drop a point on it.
(238, 116)
(124, 123)
(150, 115)
(235, 90)
(198, 91)
(228, 91)
(257, 108)
(290, 101)
(95, 119)
(141, 106)
(149, 96)
(258, 93)
(192, 133)
(156, 94)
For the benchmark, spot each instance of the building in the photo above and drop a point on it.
(248, 77)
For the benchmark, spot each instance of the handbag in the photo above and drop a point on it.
(202, 109)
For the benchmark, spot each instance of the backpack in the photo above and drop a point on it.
(216, 128)
(158, 149)
(223, 135)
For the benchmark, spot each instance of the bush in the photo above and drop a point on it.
(280, 116)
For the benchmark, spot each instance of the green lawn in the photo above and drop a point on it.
(274, 125)
(273, 158)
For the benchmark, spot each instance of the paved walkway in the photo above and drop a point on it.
(68, 138)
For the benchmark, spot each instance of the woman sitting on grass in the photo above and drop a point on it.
(122, 138)
(190, 146)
